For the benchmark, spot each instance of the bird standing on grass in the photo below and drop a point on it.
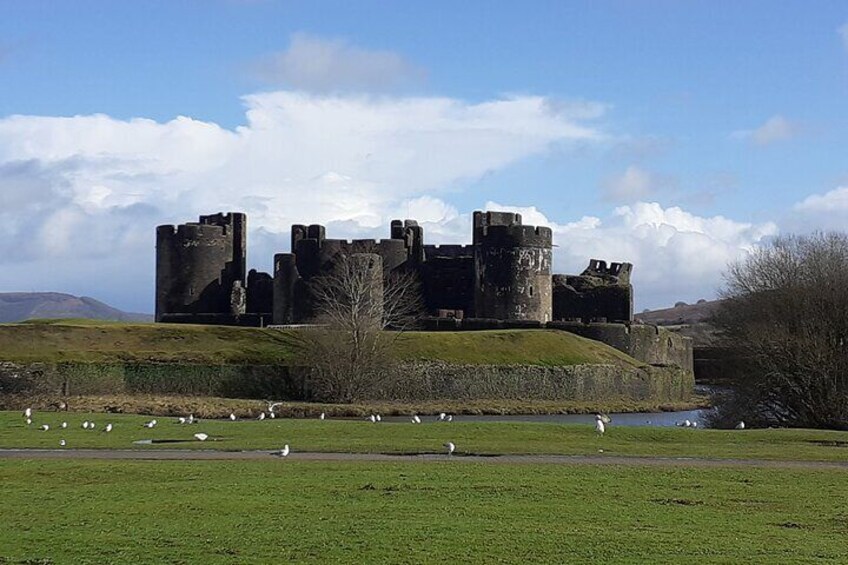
(29, 421)
(85, 425)
(261, 416)
(322, 416)
(62, 443)
(232, 416)
(64, 425)
(373, 418)
(416, 419)
(450, 447)
(28, 413)
(740, 426)
(284, 452)
(45, 427)
(201, 437)
(150, 424)
(108, 428)
(599, 425)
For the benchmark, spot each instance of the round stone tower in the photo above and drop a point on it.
(199, 264)
(512, 268)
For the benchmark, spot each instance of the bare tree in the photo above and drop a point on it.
(785, 319)
(360, 313)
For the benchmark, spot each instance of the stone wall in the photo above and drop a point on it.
(650, 344)
(419, 381)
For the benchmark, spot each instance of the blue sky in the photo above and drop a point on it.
(677, 135)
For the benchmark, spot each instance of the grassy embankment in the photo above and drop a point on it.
(82, 342)
(285, 510)
(487, 438)
(52, 341)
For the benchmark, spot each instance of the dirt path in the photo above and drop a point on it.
(211, 455)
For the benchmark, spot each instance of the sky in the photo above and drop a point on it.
(676, 135)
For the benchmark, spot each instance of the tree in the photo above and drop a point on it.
(784, 317)
(360, 313)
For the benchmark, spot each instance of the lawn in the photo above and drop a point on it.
(283, 510)
(489, 438)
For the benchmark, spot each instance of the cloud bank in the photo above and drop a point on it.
(90, 189)
(80, 196)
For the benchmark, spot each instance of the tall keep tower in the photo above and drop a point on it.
(200, 267)
(512, 268)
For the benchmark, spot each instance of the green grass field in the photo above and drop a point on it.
(444, 512)
(90, 341)
(490, 438)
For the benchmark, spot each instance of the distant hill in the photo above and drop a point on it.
(19, 306)
(680, 314)
(687, 319)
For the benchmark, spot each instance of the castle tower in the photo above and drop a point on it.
(512, 268)
(199, 264)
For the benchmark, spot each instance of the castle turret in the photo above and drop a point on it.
(199, 264)
(512, 268)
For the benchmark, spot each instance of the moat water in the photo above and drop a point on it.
(660, 419)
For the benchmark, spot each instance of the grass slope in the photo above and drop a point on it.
(92, 341)
(359, 436)
(289, 511)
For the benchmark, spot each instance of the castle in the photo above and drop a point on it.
(505, 274)
(503, 279)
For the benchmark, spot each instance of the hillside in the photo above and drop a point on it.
(82, 340)
(19, 306)
(680, 314)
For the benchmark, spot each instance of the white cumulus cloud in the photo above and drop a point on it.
(635, 183)
(325, 65)
(89, 190)
(828, 211)
(776, 128)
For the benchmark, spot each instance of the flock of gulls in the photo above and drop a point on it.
(450, 447)
(601, 421)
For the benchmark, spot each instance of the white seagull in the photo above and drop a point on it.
(740, 426)
(62, 443)
(85, 425)
(232, 416)
(416, 419)
(261, 416)
(599, 425)
(284, 452)
(108, 428)
(29, 421)
(28, 413)
(272, 415)
(64, 425)
(379, 418)
(604, 418)
(449, 418)
(450, 447)
(190, 419)
(373, 418)
(442, 417)
(150, 424)
(322, 416)
(45, 427)
(181, 420)
(201, 437)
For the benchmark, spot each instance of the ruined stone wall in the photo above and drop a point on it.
(197, 264)
(649, 344)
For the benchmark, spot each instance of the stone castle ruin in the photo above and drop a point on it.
(503, 279)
